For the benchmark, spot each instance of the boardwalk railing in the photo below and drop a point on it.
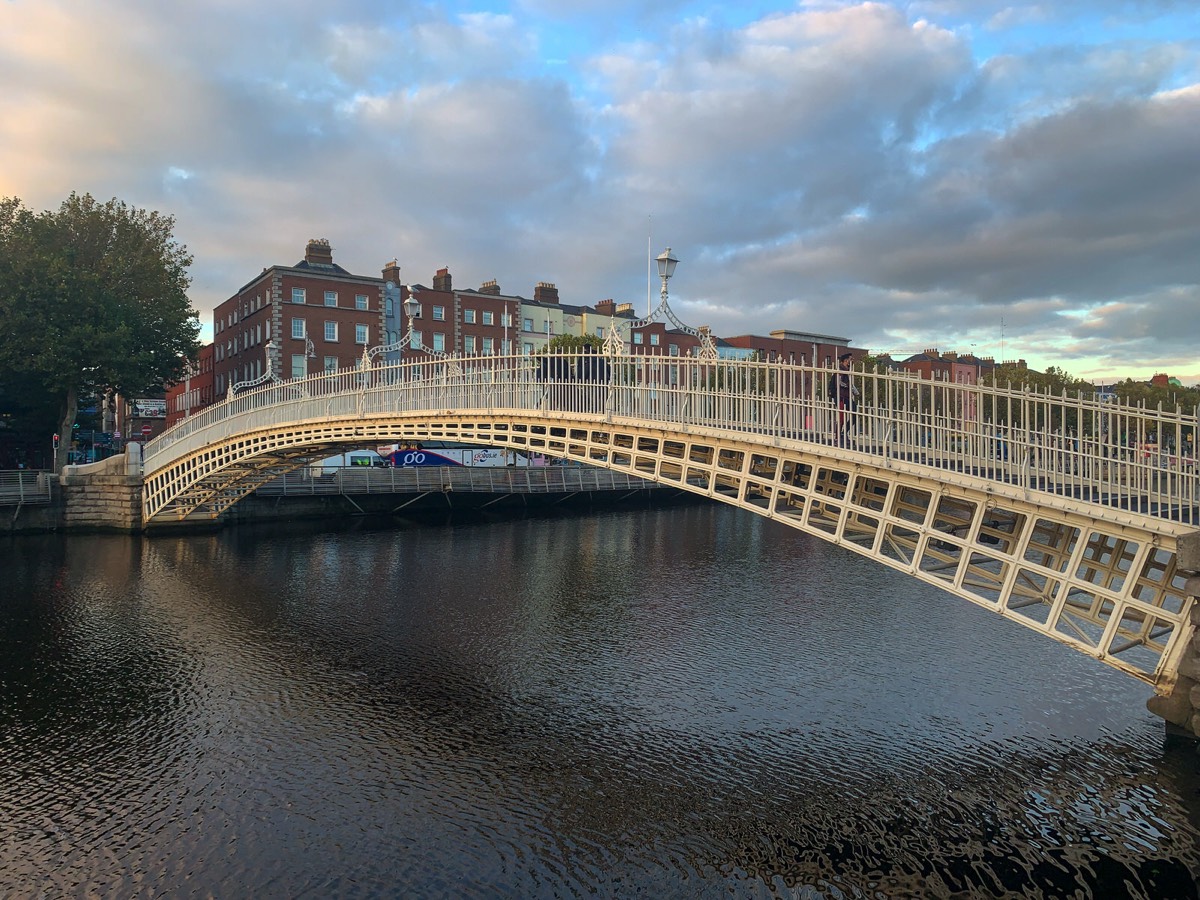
(23, 486)
(1080, 447)
(457, 479)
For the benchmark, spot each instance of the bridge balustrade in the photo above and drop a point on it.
(1086, 449)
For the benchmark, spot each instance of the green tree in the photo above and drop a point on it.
(573, 343)
(1171, 397)
(92, 296)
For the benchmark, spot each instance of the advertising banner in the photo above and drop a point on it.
(149, 409)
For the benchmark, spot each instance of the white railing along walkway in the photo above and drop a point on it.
(455, 479)
(1079, 447)
(22, 486)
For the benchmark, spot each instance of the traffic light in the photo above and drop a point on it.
(55, 442)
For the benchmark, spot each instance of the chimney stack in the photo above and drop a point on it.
(391, 272)
(318, 252)
(490, 287)
(441, 281)
(607, 307)
(545, 292)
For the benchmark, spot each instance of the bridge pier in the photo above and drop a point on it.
(106, 495)
(1180, 708)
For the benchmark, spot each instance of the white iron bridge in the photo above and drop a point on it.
(1061, 513)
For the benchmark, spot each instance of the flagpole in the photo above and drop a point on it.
(649, 265)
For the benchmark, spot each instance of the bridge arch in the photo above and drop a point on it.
(1103, 579)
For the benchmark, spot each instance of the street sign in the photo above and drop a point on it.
(146, 429)
(116, 435)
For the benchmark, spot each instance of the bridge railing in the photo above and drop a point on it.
(1082, 447)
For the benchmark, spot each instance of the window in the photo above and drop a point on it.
(331, 298)
(297, 295)
(506, 347)
(673, 350)
(331, 331)
(506, 320)
(299, 365)
(360, 334)
(391, 310)
(489, 346)
(469, 343)
(468, 316)
(637, 337)
(439, 314)
(298, 329)
(549, 326)
(439, 342)
(527, 348)
(654, 340)
(331, 364)
(361, 302)
(416, 340)
(529, 324)
(488, 317)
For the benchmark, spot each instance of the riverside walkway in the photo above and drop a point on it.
(1060, 513)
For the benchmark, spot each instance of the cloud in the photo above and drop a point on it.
(866, 170)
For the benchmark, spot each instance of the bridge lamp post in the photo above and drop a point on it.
(411, 308)
(666, 268)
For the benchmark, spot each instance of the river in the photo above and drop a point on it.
(687, 702)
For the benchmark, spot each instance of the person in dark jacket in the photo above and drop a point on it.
(843, 392)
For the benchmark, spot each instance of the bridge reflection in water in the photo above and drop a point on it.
(1031, 505)
(557, 706)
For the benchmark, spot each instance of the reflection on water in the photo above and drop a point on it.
(681, 703)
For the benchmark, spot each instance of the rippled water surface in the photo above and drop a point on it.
(689, 702)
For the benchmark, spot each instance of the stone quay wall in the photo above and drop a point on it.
(104, 496)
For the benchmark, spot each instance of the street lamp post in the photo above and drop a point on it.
(666, 268)
(268, 375)
(411, 307)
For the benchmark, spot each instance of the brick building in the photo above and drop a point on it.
(965, 368)
(195, 392)
(796, 347)
(315, 315)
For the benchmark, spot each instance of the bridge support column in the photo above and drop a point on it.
(104, 496)
(1181, 707)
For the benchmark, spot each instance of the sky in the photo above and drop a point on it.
(1014, 180)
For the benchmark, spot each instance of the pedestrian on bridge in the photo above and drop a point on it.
(844, 394)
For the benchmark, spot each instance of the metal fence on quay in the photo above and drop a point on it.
(463, 479)
(22, 486)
